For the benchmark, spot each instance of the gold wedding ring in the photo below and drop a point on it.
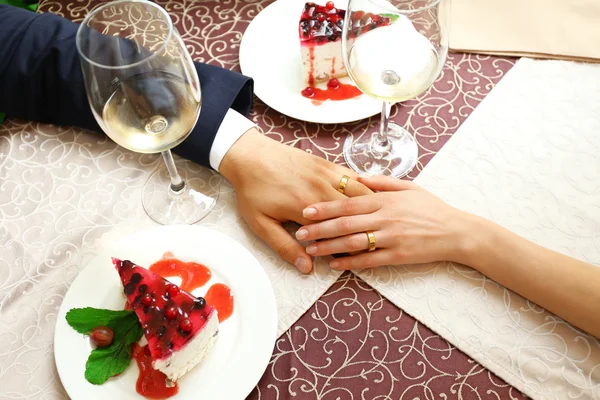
(371, 237)
(343, 183)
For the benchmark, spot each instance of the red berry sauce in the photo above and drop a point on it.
(193, 275)
(220, 297)
(151, 383)
(335, 91)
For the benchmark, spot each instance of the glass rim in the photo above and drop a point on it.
(112, 3)
(406, 12)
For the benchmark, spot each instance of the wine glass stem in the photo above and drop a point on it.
(177, 184)
(381, 143)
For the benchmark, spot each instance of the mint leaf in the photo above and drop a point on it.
(107, 362)
(83, 320)
(127, 329)
(392, 17)
(104, 363)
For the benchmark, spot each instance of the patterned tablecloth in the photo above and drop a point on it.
(352, 344)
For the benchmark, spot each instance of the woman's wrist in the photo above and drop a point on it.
(473, 239)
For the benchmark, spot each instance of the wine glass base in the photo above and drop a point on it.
(396, 162)
(185, 207)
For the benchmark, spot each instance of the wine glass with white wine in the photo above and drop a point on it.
(393, 51)
(144, 92)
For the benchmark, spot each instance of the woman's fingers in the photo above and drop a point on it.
(373, 259)
(387, 184)
(339, 208)
(338, 227)
(346, 244)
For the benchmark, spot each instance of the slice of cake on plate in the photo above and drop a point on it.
(320, 32)
(180, 328)
(321, 42)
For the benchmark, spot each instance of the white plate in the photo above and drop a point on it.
(245, 341)
(270, 54)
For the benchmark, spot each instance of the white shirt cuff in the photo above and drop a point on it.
(234, 125)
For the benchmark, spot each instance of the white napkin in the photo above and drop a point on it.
(527, 158)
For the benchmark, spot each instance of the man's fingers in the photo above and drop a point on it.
(355, 188)
(386, 183)
(283, 243)
(349, 186)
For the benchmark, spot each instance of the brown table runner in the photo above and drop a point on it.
(352, 343)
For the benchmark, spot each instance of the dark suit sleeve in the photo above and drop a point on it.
(41, 80)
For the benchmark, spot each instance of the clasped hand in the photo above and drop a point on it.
(275, 182)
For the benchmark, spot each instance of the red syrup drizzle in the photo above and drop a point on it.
(311, 71)
(193, 275)
(335, 91)
(220, 297)
(151, 383)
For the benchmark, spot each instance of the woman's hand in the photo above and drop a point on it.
(411, 226)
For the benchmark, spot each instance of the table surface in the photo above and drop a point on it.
(352, 343)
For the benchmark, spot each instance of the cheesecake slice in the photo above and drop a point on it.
(321, 42)
(180, 328)
(320, 32)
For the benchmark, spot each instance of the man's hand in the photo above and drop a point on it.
(275, 182)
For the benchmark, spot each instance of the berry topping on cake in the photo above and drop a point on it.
(321, 24)
(185, 325)
(179, 333)
(172, 290)
(320, 32)
(147, 300)
(200, 302)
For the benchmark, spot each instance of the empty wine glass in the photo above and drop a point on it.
(393, 51)
(144, 92)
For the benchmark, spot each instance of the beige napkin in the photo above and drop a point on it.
(526, 158)
(564, 29)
